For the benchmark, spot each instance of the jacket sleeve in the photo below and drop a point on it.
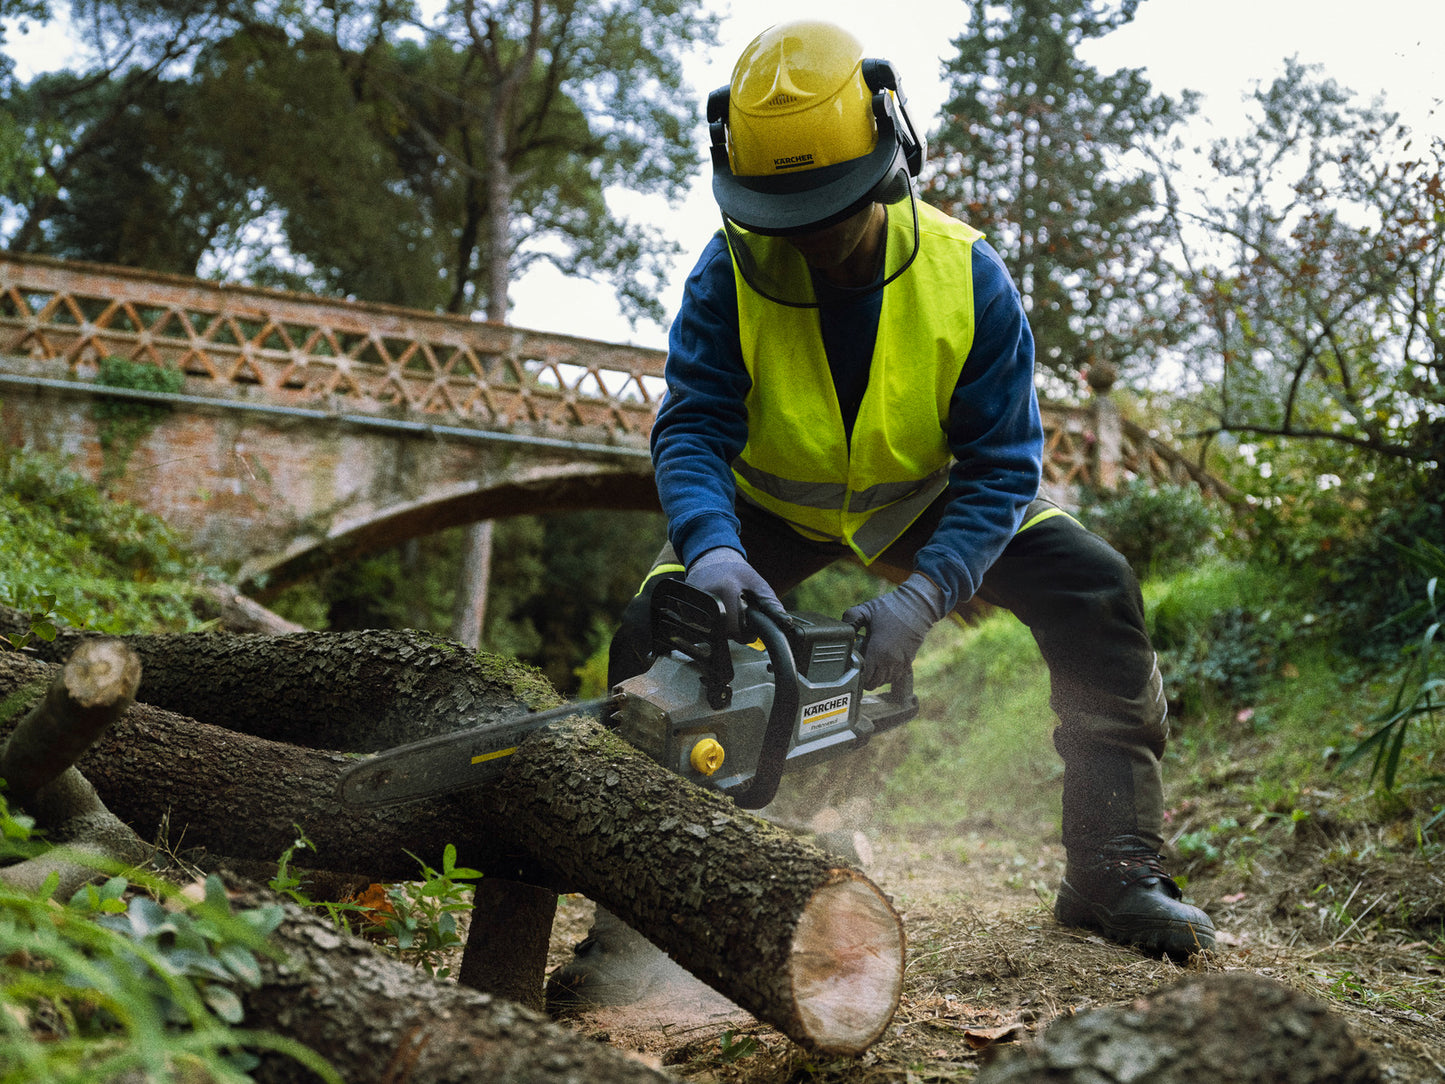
(702, 424)
(996, 435)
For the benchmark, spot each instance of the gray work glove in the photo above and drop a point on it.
(897, 623)
(725, 574)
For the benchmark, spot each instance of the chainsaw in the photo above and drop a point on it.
(726, 715)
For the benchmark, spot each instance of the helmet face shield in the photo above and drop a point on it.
(772, 267)
(808, 134)
(802, 202)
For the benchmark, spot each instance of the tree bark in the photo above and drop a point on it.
(378, 1020)
(508, 939)
(353, 691)
(774, 924)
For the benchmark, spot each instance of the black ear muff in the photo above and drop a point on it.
(890, 111)
(894, 188)
(717, 126)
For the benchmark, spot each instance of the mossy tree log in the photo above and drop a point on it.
(771, 922)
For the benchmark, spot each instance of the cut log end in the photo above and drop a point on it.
(846, 965)
(102, 673)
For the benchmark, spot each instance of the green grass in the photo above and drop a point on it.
(1263, 699)
(981, 748)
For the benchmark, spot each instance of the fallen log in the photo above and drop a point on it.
(1228, 1028)
(783, 930)
(379, 1021)
(353, 691)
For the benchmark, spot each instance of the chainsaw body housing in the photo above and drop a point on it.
(791, 698)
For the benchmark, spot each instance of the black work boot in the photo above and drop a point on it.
(1124, 893)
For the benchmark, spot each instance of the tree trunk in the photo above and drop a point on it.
(378, 1020)
(469, 615)
(770, 922)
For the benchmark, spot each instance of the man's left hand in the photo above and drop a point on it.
(897, 623)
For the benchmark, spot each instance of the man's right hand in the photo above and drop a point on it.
(725, 574)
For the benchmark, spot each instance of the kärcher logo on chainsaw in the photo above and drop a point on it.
(824, 715)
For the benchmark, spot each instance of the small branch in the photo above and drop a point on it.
(94, 689)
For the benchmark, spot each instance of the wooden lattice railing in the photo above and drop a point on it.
(351, 357)
(360, 358)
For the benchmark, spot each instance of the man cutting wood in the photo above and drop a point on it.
(850, 377)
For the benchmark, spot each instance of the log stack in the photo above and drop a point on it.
(783, 930)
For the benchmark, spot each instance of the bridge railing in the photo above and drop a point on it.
(358, 358)
(350, 357)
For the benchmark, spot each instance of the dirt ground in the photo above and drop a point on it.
(1356, 923)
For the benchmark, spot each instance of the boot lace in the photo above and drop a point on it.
(1132, 861)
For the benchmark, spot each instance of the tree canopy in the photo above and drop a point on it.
(353, 149)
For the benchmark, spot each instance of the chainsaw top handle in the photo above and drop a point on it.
(688, 620)
(768, 623)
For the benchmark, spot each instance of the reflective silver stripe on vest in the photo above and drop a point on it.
(829, 496)
(894, 505)
(883, 528)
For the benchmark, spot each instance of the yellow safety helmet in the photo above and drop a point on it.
(809, 131)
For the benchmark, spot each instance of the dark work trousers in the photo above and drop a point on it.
(1082, 603)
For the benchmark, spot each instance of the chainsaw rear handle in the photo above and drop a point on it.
(899, 692)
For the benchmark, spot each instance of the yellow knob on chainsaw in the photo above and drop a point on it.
(706, 756)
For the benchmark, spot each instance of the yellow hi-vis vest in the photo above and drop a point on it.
(797, 463)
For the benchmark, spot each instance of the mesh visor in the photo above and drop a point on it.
(774, 269)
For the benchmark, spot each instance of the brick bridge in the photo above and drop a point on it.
(307, 429)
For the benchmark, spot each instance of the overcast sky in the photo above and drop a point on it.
(1220, 48)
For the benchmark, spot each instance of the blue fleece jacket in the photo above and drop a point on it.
(994, 428)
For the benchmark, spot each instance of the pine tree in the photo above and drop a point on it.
(1033, 149)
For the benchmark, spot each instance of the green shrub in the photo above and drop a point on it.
(1220, 631)
(1419, 700)
(1158, 529)
(92, 560)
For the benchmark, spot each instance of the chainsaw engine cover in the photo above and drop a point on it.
(666, 712)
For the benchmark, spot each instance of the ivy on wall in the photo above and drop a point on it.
(124, 423)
